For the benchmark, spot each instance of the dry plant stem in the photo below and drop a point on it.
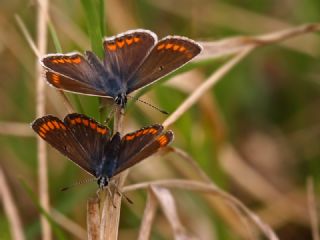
(194, 97)
(93, 219)
(40, 110)
(312, 207)
(110, 215)
(208, 188)
(169, 209)
(148, 216)
(10, 208)
(234, 45)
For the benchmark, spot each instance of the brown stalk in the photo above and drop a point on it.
(10, 208)
(148, 216)
(40, 111)
(312, 207)
(93, 219)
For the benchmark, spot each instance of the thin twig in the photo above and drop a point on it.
(148, 217)
(194, 97)
(42, 17)
(10, 208)
(312, 207)
(68, 224)
(209, 188)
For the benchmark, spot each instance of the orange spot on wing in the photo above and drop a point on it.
(176, 47)
(138, 133)
(163, 140)
(42, 134)
(102, 130)
(55, 123)
(42, 130)
(169, 45)
(153, 131)
(85, 122)
(112, 46)
(161, 46)
(145, 131)
(129, 40)
(73, 122)
(68, 60)
(130, 137)
(93, 125)
(78, 120)
(50, 125)
(182, 49)
(60, 60)
(76, 60)
(55, 78)
(120, 43)
(54, 61)
(136, 39)
(62, 126)
(45, 126)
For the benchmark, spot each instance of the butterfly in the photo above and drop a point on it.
(92, 147)
(132, 60)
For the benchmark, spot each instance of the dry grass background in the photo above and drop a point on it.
(245, 160)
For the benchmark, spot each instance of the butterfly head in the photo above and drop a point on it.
(103, 182)
(121, 100)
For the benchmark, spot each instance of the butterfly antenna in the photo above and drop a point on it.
(78, 183)
(150, 105)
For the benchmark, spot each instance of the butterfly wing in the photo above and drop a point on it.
(73, 138)
(166, 56)
(125, 52)
(75, 73)
(91, 135)
(141, 144)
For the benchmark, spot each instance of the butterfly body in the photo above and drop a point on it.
(91, 146)
(132, 60)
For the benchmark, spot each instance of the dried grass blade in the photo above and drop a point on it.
(10, 209)
(169, 208)
(148, 216)
(312, 207)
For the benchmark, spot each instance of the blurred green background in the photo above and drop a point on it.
(265, 112)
